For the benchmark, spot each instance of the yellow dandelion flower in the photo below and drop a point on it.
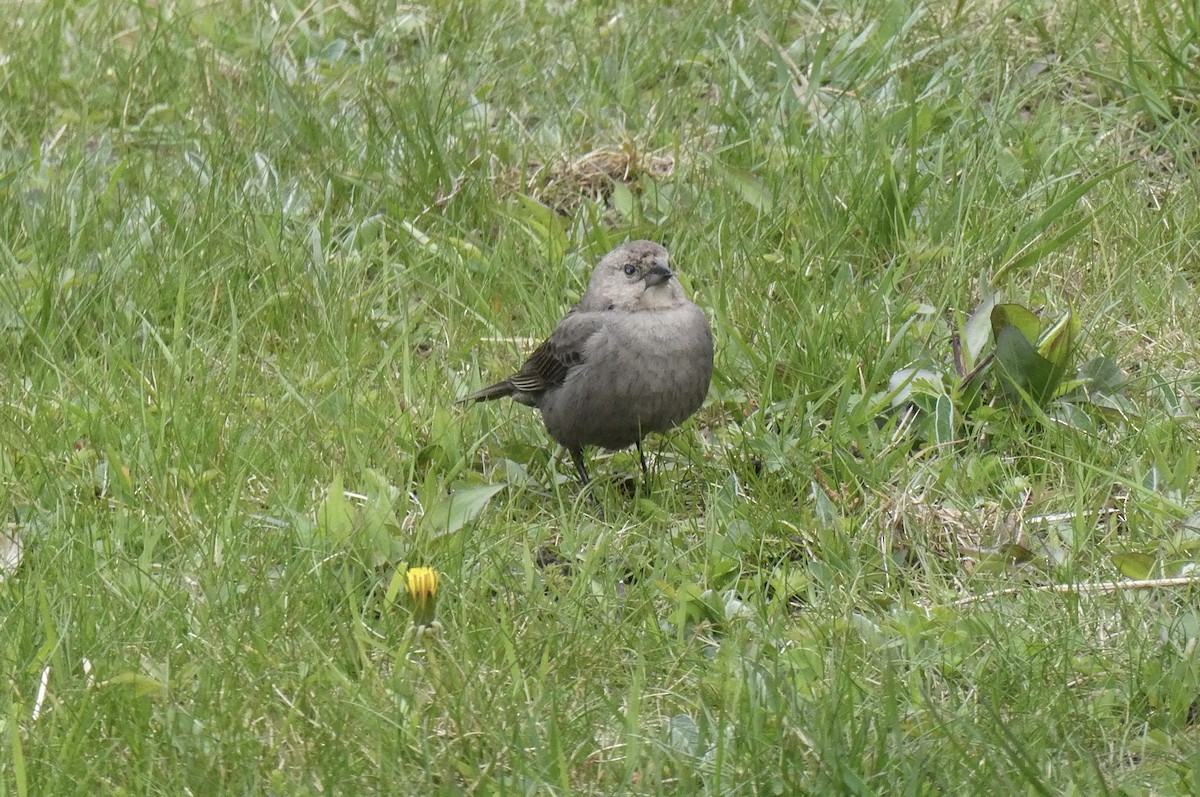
(421, 586)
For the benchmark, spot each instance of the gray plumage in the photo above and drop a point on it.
(634, 356)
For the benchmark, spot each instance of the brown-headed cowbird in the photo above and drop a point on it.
(634, 356)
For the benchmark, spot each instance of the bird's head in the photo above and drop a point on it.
(634, 276)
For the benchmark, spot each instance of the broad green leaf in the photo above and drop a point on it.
(1037, 372)
(395, 584)
(1102, 375)
(907, 381)
(1002, 559)
(1100, 382)
(1057, 342)
(826, 511)
(751, 188)
(685, 736)
(543, 224)
(968, 394)
(1016, 553)
(622, 199)
(977, 330)
(466, 250)
(458, 508)
(379, 525)
(143, 685)
(1178, 566)
(335, 515)
(12, 548)
(944, 421)
(1155, 480)
(1135, 565)
(1022, 369)
(1070, 414)
(1055, 346)
(1021, 317)
(1009, 169)
(1115, 407)
(1187, 540)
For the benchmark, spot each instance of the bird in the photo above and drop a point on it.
(634, 356)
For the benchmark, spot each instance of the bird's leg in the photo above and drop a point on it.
(580, 466)
(645, 470)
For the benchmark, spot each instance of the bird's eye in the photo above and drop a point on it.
(630, 270)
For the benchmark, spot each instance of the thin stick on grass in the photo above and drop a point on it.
(1083, 588)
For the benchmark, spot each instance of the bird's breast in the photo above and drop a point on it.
(642, 372)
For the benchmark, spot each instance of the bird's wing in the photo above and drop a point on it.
(550, 363)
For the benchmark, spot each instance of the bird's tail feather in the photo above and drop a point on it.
(498, 390)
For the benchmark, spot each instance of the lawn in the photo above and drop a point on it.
(935, 530)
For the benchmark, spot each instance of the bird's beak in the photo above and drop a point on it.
(657, 275)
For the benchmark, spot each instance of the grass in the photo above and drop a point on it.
(250, 254)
